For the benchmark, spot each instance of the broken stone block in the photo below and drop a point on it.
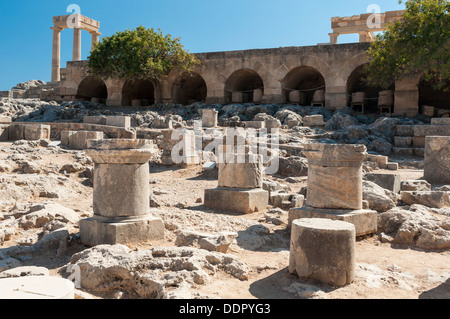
(433, 199)
(78, 140)
(437, 160)
(335, 262)
(209, 118)
(313, 121)
(5, 119)
(244, 171)
(37, 287)
(387, 181)
(415, 185)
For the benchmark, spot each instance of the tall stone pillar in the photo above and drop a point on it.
(95, 39)
(56, 54)
(121, 194)
(334, 187)
(76, 44)
(334, 38)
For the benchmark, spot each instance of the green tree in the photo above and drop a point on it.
(140, 53)
(418, 44)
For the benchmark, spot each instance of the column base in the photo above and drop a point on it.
(244, 201)
(365, 220)
(99, 230)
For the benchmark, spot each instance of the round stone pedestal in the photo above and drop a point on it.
(323, 250)
(121, 194)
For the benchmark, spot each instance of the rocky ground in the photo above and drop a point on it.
(46, 190)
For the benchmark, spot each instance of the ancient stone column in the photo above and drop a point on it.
(335, 175)
(56, 54)
(95, 39)
(76, 44)
(121, 194)
(323, 250)
(334, 38)
(240, 185)
(334, 186)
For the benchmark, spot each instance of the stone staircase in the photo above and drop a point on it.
(409, 140)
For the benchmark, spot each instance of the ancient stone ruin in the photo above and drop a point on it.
(265, 174)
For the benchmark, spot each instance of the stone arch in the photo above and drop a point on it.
(189, 88)
(356, 83)
(431, 97)
(244, 86)
(139, 92)
(304, 81)
(92, 89)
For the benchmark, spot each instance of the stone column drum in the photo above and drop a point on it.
(240, 186)
(323, 250)
(334, 187)
(121, 194)
(335, 175)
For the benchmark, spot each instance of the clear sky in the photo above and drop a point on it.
(202, 25)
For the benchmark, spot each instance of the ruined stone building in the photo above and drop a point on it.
(327, 75)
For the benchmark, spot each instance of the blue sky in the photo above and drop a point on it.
(202, 25)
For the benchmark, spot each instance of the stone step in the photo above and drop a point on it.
(405, 130)
(409, 151)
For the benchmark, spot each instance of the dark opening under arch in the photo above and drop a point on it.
(438, 98)
(138, 93)
(93, 90)
(357, 83)
(305, 79)
(241, 86)
(189, 88)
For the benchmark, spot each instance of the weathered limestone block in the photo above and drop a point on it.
(30, 132)
(209, 117)
(255, 124)
(437, 159)
(5, 119)
(65, 137)
(364, 220)
(78, 140)
(34, 132)
(244, 171)
(121, 194)
(37, 287)
(99, 120)
(323, 250)
(440, 121)
(388, 181)
(415, 185)
(245, 201)
(380, 160)
(433, 199)
(313, 121)
(335, 175)
(4, 132)
(119, 121)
